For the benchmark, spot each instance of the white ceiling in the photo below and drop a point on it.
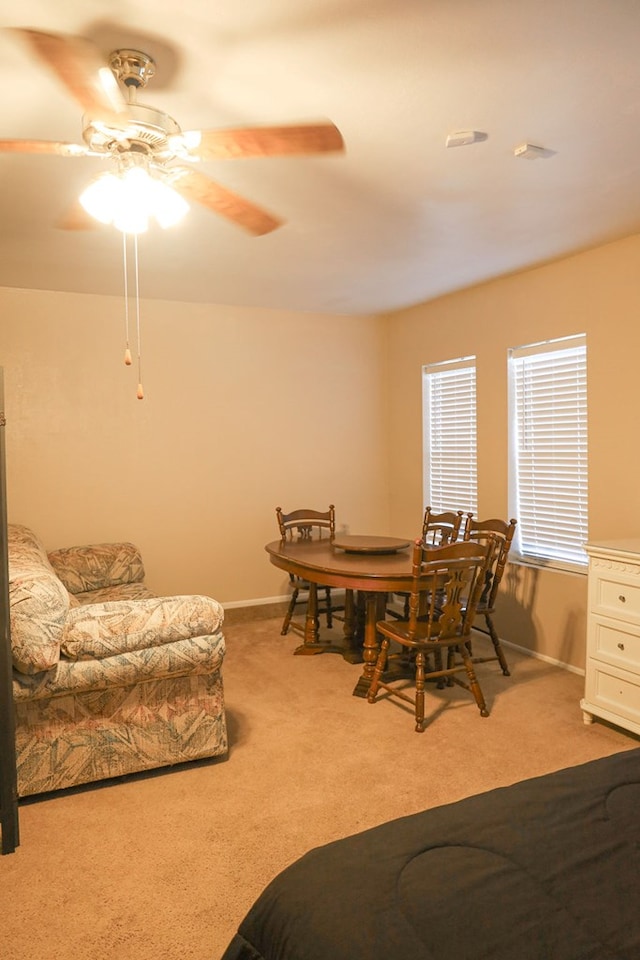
(397, 219)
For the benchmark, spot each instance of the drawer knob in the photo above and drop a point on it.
(622, 598)
(621, 646)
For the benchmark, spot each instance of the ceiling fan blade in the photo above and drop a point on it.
(195, 186)
(283, 141)
(44, 146)
(81, 69)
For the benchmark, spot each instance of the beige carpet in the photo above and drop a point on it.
(164, 866)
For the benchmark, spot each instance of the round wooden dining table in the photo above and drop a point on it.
(368, 565)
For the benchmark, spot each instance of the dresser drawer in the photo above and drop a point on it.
(615, 643)
(615, 691)
(615, 596)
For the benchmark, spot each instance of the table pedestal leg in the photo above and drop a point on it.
(312, 643)
(352, 651)
(374, 611)
(311, 624)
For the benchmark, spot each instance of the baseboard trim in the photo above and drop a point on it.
(262, 601)
(542, 656)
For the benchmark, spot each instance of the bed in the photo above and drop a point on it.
(546, 869)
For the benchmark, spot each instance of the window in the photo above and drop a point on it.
(449, 425)
(548, 450)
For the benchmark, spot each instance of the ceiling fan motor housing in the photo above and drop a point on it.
(148, 128)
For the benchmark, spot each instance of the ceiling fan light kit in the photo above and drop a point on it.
(153, 173)
(115, 127)
(132, 196)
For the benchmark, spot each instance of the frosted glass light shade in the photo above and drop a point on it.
(167, 205)
(98, 198)
(128, 200)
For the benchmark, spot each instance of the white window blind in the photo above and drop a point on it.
(548, 420)
(449, 424)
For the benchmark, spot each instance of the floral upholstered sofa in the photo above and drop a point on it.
(108, 679)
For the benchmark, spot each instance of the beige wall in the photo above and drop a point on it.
(244, 410)
(596, 292)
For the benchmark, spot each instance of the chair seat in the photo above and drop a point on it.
(423, 637)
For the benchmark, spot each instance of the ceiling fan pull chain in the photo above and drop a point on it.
(127, 352)
(140, 393)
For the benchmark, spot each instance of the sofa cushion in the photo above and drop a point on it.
(97, 566)
(98, 630)
(39, 603)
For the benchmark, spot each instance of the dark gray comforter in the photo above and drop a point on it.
(546, 869)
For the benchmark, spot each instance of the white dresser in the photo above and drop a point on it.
(612, 686)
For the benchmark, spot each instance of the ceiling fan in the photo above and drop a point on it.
(132, 133)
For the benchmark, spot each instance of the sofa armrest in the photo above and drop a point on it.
(99, 630)
(39, 606)
(96, 566)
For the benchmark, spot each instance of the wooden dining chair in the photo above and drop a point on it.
(446, 586)
(306, 524)
(502, 532)
(438, 529)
